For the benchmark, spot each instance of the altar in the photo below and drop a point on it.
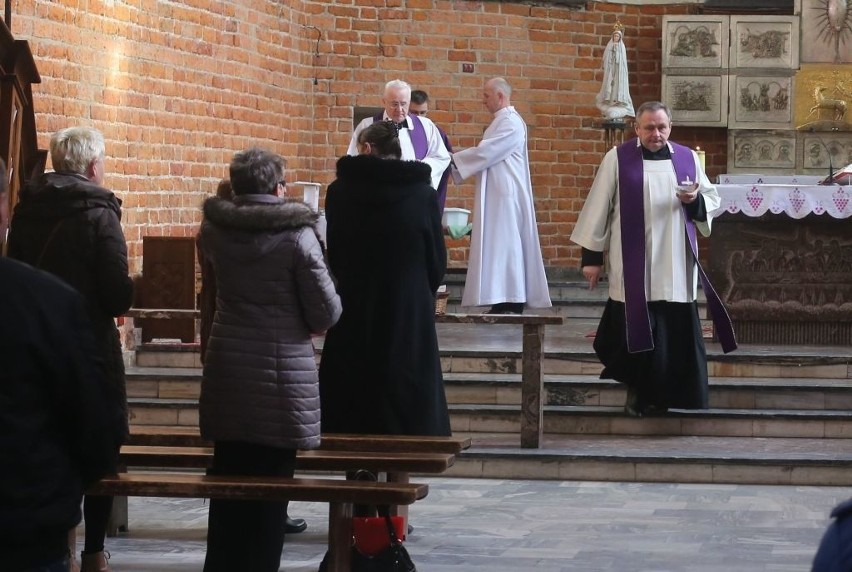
(781, 259)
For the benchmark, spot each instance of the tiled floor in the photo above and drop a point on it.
(472, 525)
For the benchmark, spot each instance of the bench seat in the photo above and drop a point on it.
(341, 496)
(316, 460)
(178, 436)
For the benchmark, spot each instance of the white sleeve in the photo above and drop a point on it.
(592, 230)
(353, 143)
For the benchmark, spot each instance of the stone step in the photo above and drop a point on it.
(603, 420)
(579, 390)
(489, 354)
(673, 459)
(582, 420)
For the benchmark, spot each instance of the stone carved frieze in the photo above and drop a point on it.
(782, 271)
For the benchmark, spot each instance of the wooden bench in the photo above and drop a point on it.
(392, 458)
(184, 436)
(341, 495)
(532, 365)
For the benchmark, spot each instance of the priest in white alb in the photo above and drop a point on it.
(648, 199)
(505, 268)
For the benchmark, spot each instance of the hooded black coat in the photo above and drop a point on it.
(380, 371)
(68, 226)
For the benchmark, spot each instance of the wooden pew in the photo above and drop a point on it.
(182, 436)
(316, 460)
(341, 495)
(392, 458)
(532, 365)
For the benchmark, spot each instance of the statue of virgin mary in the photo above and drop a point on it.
(614, 97)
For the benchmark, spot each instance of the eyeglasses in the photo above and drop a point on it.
(398, 104)
(282, 184)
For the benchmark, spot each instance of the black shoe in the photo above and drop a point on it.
(507, 308)
(631, 405)
(295, 525)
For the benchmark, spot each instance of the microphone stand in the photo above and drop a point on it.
(829, 180)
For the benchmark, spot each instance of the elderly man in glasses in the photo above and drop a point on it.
(419, 138)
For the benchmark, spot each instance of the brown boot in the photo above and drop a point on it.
(72, 551)
(95, 562)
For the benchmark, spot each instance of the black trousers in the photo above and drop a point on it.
(247, 535)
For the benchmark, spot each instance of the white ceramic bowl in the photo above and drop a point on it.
(455, 217)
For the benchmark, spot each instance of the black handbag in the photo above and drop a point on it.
(394, 558)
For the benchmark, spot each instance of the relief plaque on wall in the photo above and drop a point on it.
(700, 100)
(766, 152)
(695, 42)
(761, 102)
(765, 42)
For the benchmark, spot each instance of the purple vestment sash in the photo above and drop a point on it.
(631, 194)
(418, 136)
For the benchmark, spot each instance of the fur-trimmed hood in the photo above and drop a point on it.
(376, 181)
(258, 213)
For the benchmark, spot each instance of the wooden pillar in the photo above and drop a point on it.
(339, 536)
(532, 387)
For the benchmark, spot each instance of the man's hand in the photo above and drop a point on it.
(592, 274)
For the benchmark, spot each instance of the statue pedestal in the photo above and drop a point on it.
(614, 130)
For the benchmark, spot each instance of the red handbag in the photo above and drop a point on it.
(370, 533)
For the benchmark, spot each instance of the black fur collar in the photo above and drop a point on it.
(393, 171)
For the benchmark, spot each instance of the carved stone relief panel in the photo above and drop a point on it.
(697, 99)
(765, 42)
(761, 102)
(826, 31)
(822, 152)
(794, 274)
(765, 152)
(699, 42)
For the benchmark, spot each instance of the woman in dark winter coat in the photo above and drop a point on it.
(68, 224)
(259, 393)
(380, 371)
(835, 549)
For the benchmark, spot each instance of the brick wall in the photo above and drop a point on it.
(178, 87)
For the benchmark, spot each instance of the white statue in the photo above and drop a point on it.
(614, 97)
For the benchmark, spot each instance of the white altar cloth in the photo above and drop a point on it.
(745, 179)
(796, 201)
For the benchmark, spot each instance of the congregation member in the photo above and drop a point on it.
(61, 428)
(68, 224)
(259, 399)
(419, 138)
(835, 548)
(649, 196)
(419, 106)
(380, 371)
(505, 268)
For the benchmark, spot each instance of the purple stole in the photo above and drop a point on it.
(418, 136)
(631, 194)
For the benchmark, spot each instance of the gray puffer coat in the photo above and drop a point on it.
(273, 292)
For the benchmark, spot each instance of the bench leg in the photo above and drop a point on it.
(339, 536)
(117, 522)
(532, 386)
(398, 510)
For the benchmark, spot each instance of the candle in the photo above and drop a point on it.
(702, 157)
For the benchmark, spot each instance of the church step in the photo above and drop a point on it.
(576, 358)
(602, 420)
(598, 420)
(504, 389)
(735, 460)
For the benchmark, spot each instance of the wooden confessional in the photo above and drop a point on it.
(18, 140)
